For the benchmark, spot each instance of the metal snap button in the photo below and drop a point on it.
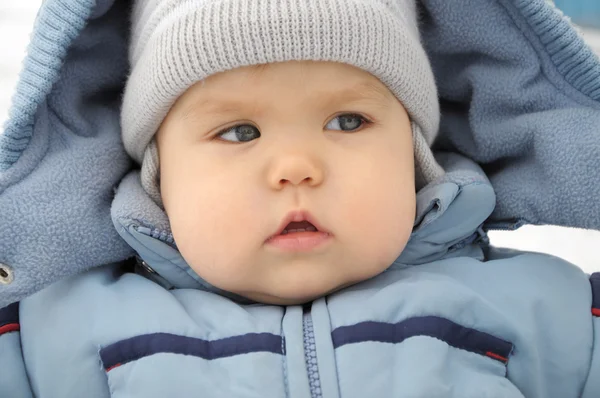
(6, 274)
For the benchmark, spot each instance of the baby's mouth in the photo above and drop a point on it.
(302, 226)
(299, 232)
(297, 222)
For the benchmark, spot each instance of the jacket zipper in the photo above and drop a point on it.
(310, 355)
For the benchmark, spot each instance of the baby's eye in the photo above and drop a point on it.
(240, 133)
(347, 122)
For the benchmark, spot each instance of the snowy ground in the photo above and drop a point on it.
(577, 246)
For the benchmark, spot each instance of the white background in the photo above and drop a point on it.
(578, 246)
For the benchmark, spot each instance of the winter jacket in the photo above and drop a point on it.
(97, 301)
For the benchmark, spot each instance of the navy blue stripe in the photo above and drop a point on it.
(142, 346)
(443, 329)
(9, 314)
(595, 281)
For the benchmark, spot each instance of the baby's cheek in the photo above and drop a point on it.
(216, 239)
(385, 222)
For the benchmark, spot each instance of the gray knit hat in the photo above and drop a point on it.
(176, 43)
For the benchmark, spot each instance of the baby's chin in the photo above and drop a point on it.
(289, 298)
(265, 298)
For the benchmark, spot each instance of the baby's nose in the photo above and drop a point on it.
(295, 169)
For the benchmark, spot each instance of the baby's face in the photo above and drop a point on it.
(247, 151)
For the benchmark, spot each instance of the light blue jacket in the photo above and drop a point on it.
(97, 301)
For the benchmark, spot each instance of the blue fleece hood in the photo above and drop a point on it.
(520, 99)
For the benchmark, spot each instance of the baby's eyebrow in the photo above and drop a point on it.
(363, 91)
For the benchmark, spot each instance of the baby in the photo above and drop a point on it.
(294, 234)
(288, 182)
(282, 181)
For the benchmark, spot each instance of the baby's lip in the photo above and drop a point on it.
(298, 216)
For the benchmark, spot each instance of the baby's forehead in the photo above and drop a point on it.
(310, 83)
(226, 104)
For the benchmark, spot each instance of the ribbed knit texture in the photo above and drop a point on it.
(55, 31)
(573, 59)
(176, 43)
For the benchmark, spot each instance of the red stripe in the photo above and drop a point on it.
(596, 311)
(11, 327)
(496, 356)
(112, 367)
